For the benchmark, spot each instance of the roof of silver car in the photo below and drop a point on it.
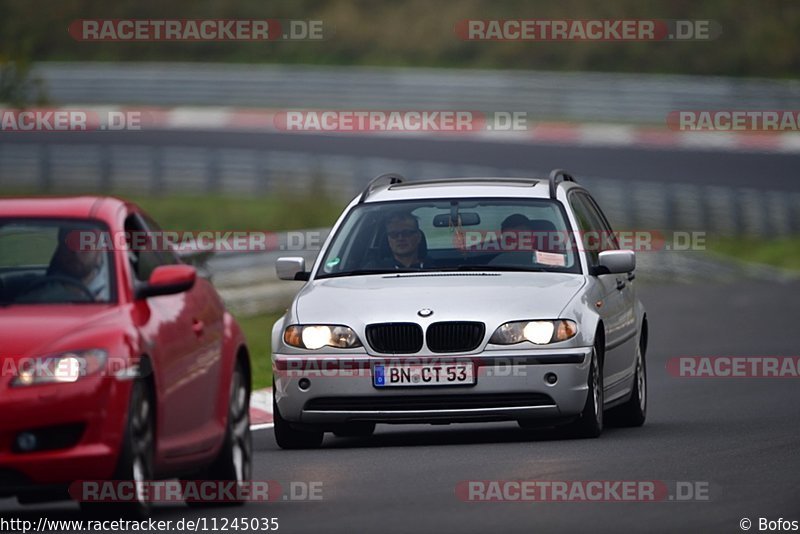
(399, 189)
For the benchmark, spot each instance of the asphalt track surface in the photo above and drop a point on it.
(776, 171)
(739, 436)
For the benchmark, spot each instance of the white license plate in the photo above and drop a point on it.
(436, 374)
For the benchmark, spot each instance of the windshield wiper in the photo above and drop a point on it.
(359, 272)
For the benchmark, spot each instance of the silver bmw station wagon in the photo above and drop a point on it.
(462, 300)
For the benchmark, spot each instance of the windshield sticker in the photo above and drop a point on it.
(551, 258)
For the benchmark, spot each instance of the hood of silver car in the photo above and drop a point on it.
(492, 298)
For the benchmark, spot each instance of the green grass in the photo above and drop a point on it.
(228, 212)
(220, 211)
(781, 252)
(258, 331)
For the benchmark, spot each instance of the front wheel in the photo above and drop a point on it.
(136, 457)
(291, 438)
(590, 423)
(634, 412)
(234, 462)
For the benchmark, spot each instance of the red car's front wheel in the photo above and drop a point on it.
(234, 462)
(136, 456)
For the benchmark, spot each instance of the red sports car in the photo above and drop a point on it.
(118, 361)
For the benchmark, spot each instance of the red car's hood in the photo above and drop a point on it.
(37, 330)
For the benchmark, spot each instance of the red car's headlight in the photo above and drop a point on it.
(60, 368)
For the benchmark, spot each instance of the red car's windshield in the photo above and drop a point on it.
(42, 262)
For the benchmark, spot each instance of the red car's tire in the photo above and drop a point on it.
(136, 456)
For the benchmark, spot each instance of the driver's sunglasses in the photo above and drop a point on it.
(402, 233)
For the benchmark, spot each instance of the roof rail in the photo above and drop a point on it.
(471, 179)
(555, 174)
(393, 178)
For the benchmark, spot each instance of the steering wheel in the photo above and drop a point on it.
(57, 278)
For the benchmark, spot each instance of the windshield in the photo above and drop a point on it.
(452, 235)
(42, 262)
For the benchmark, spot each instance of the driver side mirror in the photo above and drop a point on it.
(168, 280)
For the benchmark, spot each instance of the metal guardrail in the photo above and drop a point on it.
(249, 285)
(582, 97)
(123, 168)
(566, 96)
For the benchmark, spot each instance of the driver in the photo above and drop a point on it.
(516, 252)
(86, 266)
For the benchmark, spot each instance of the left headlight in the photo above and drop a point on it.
(65, 367)
(537, 332)
(316, 336)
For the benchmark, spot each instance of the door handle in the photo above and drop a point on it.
(198, 326)
(631, 276)
(620, 284)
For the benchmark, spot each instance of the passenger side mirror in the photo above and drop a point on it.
(168, 280)
(292, 269)
(615, 262)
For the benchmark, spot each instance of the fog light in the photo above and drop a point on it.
(304, 384)
(550, 378)
(26, 442)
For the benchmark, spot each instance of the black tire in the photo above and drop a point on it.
(136, 457)
(235, 460)
(590, 423)
(355, 430)
(291, 438)
(634, 412)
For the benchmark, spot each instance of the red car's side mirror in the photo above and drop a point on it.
(168, 280)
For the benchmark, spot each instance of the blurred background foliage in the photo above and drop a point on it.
(759, 37)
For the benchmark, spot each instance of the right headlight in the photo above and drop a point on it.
(316, 336)
(537, 332)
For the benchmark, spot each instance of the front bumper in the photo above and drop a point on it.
(79, 427)
(510, 385)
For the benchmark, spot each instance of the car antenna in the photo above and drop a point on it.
(392, 177)
(555, 174)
